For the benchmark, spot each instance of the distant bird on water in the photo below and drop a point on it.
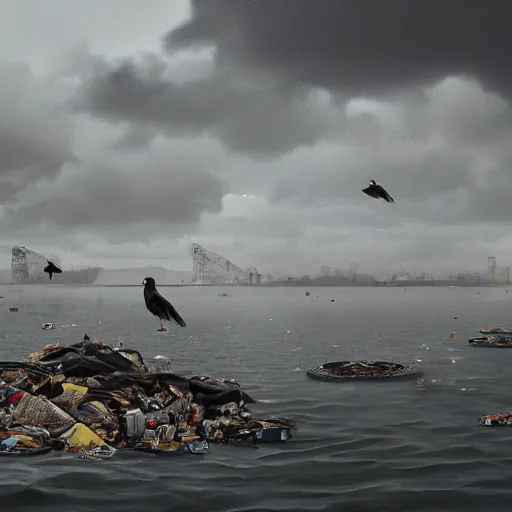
(51, 268)
(377, 191)
(159, 306)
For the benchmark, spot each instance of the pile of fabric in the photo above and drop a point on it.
(93, 399)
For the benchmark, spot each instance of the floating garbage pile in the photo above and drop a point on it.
(496, 420)
(498, 337)
(490, 341)
(361, 370)
(92, 399)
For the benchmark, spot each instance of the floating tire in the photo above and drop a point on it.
(490, 342)
(361, 370)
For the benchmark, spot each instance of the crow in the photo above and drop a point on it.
(377, 191)
(51, 268)
(159, 306)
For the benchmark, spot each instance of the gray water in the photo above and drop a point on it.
(376, 446)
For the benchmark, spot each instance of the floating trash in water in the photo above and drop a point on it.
(13, 310)
(48, 325)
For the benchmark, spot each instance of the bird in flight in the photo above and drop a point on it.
(51, 268)
(377, 191)
(159, 306)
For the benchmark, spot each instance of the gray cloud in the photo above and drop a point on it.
(359, 46)
(35, 136)
(261, 118)
(128, 201)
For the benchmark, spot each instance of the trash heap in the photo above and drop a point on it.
(92, 399)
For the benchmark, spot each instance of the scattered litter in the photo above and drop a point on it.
(91, 399)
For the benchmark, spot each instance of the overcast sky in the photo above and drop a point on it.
(130, 129)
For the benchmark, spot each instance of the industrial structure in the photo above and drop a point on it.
(210, 268)
(27, 268)
(26, 265)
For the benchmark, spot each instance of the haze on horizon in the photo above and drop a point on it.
(129, 130)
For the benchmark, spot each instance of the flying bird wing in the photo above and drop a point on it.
(161, 307)
(372, 192)
(384, 194)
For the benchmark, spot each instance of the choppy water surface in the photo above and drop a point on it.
(360, 446)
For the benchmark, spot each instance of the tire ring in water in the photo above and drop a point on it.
(331, 371)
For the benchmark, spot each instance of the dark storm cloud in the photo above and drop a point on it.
(35, 137)
(262, 119)
(360, 46)
(114, 202)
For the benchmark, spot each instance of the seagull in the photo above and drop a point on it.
(51, 268)
(159, 306)
(377, 191)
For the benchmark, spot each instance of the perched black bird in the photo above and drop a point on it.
(159, 306)
(51, 268)
(377, 191)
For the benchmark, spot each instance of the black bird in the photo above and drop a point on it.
(51, 268)
(159, 306)
(377, 191)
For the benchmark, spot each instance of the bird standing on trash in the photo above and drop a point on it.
(159, 306)
(51, 268)
(377, 191)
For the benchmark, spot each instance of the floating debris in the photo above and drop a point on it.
(13, 310)
(48, 325)
(496, 330)
(490, 341)
(92, 399)
(496, 420)
(360, 370)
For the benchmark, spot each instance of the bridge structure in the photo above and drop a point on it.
(211, 268)
(27, 266)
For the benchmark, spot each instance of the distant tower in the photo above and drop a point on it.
(491, 268)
